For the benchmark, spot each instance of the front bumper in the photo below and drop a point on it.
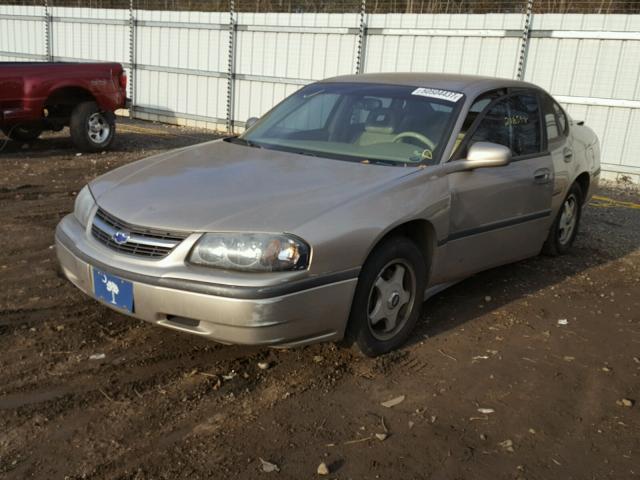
(314, 314)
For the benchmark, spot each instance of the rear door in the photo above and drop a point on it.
(499, 215)
(561, 151)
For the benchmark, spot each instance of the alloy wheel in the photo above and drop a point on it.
(98, 128)
(391, 299)
(568, 219)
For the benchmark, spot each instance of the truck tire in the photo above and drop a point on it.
(92, 130)
(22, 134)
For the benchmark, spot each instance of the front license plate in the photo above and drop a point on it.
(113, 290)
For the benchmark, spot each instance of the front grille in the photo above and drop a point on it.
(142, 241)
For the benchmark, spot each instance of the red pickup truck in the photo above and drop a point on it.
(49, 96)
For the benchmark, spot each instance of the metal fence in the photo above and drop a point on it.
(215, 69)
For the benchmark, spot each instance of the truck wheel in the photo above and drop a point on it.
(22, 134)
(92, 130)
(565, 227)
(388, 298)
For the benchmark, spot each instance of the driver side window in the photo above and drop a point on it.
(513, 122)
(475, 110)
(494, 126)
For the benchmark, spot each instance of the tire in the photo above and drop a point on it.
(92, 130)
(385, 310)
(565, 226)
(22, 134)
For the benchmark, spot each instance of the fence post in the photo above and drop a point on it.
(524, 43)
(231, 65)
(132, 60)
(362, 37)
(48, 48)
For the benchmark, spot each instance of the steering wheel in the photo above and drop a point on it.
(418, 136)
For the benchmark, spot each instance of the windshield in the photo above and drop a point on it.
(360, 122)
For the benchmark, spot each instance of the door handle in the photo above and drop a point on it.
(568, 154)
(543, 175)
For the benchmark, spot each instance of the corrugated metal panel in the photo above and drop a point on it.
(592, 62)
(100, 41)
(21, 36)
(195, 57)
(306, 54)
(446, 47)
(595, 68)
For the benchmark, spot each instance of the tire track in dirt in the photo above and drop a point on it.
(162, 404)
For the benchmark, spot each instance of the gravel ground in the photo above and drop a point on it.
(528, 371)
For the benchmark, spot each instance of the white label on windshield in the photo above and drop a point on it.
(439, 94)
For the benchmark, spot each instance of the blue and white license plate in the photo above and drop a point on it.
(113, 290)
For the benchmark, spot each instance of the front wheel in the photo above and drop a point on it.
(565, 227)
(22, 134)
(388, 298)
(92, 130)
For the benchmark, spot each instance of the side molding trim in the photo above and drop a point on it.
(496, 225)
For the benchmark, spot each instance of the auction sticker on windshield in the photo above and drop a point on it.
(437, 93)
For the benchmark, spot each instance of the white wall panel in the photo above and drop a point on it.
(72, 39)
(183, 56)
(446, 48)
(22, 36)
(601, 69)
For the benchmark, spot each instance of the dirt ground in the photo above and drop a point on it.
(516, 373)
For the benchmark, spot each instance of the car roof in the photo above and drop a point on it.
(470, 85)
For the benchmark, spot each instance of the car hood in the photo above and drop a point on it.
(220, 186)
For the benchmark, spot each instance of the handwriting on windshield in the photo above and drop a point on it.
(516, 120)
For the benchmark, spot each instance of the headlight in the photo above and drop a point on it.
(83, 206)
(251, 252)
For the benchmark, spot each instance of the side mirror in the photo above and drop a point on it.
(482, 155)
(250, 123)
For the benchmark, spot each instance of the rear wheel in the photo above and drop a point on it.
(565, 227)
(92, 130)
(22, 134)
(388, 298)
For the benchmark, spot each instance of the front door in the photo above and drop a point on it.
(500, 215)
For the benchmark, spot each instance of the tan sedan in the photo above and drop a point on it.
(337, 214)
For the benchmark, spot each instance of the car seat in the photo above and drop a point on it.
(379, 127)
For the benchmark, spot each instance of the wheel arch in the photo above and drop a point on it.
(64, 99)
(584, 181)
(420, 231)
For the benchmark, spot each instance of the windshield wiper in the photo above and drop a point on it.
(305, 152)
(389, 163)
(283, 148)
(374, 161)
(242, 141)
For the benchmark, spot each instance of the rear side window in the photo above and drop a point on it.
(513, 122)
(551, 122)
(554, 118)
(562, 118)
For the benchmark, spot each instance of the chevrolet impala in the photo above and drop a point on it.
(338, 213)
